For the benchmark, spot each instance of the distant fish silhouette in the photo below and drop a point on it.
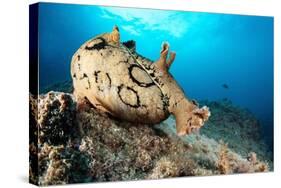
(225, 86)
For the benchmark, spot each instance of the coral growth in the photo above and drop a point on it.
(94, 147)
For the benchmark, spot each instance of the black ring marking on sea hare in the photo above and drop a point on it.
(96, 76)
(165, 99)
(178, 101)
(141, 84)
(98, 46)
(78, 57)
(74, 75)
(158, 81)
(89, 84)
(147, 66)
(84, 76)
(131, 89)
(108, 79)
(151, 67)
(152, 74)
(126, 61)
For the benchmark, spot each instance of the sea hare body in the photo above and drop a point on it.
(119, 81)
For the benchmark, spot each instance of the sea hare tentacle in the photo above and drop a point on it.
(189, 117)
(113, 37)
(171, 59)
(163, 63)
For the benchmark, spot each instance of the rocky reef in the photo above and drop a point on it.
(75, 144)
(236, 125)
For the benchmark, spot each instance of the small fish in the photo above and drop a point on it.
(225, 86)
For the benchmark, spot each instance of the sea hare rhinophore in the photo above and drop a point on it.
(119, 81)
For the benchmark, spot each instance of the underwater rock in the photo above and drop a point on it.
(54, 143)
(223, 162)
(119, 81)
(235, 125)
(95, 147)
(56, 112)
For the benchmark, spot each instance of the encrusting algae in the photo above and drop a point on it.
(96, 147)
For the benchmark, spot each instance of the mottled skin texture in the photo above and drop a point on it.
(117, 80)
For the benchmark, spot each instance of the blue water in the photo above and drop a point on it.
(212, 49)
